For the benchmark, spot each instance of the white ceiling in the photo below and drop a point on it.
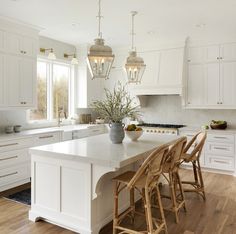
(74, 21)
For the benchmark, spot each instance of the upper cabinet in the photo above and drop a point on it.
(211, 77)
(18, 59)
(21, 45)
(163, 74)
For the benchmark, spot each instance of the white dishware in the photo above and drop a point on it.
(134, 135)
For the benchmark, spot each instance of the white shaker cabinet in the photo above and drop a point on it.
(214, 68)
(21, 86)
(228, 52)
(21, 45)
(18, 59)
(195, 85)
(228, 83)
(212, 89)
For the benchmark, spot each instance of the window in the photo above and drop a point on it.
(54, 90)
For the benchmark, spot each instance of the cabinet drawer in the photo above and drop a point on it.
(14, 174)
(217, 162)
(16, 144)
(47, 138)
(221, 138)
(13, 158)
(220, 149)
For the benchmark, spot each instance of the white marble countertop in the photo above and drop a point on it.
(99, 149)
(26, 133)
(198, 128)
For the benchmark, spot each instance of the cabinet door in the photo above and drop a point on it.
(13, 43)
(13, 80)
(21, 81)
(29, 46)
(171, 67)
(2, 80)
(195, 85)
(27, 88)
(228, 52)
(196, 54)
(212, 83)
(212, 53)
(228, 83)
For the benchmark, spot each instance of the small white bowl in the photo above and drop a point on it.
(134, 135)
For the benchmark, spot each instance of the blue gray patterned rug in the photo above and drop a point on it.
(22, 197)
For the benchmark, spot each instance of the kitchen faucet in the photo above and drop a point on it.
(61, 113)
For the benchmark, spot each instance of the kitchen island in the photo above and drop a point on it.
(71, 181)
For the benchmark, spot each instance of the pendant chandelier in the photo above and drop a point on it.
(100, 57)
(134, 66)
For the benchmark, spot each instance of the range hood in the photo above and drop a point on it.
(164, 73)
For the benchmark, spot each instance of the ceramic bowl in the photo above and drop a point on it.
(134, 135)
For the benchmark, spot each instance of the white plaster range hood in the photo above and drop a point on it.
(164, 73)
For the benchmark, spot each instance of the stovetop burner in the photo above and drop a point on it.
(161, 125)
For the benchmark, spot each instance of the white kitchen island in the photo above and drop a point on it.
(71, 181)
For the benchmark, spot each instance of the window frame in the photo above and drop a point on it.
(71, 91)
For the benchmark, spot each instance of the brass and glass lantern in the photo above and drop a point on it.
(134, 66)
(100, 57)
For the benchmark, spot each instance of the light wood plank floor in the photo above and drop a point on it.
(215, 216)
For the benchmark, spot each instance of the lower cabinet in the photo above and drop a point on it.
(218, 152)
(15, 160)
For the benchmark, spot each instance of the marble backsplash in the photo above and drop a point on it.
(168, 109)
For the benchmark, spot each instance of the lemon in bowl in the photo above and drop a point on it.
(133, 132)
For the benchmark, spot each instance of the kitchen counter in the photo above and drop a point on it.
(90, 149)
(26, 133)
(72, 181)
(198, 128)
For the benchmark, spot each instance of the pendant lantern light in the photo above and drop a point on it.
(100, 57)
(134, 66)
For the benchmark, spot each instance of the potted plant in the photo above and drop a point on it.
(116, 106)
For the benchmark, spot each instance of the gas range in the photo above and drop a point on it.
(167, 129)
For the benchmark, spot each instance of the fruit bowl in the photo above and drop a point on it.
(134, 135)
(218, 124)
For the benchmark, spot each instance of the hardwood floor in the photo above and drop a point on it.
(215, 216)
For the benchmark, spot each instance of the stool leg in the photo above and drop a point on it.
(173, 197)
(145, 208)
(181, 190)
(132, 204)
(195, 172)
(158, 197)
(148, 211)
(115, 210)
(201, 179)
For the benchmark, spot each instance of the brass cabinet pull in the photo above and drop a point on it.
(4, 159)
(44, 137)
(13, 173)
(220, 137)
(221, 148)
(9, 145)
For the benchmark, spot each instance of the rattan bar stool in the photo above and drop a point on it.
(191, 154)
(145, 182)
(171, 173)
